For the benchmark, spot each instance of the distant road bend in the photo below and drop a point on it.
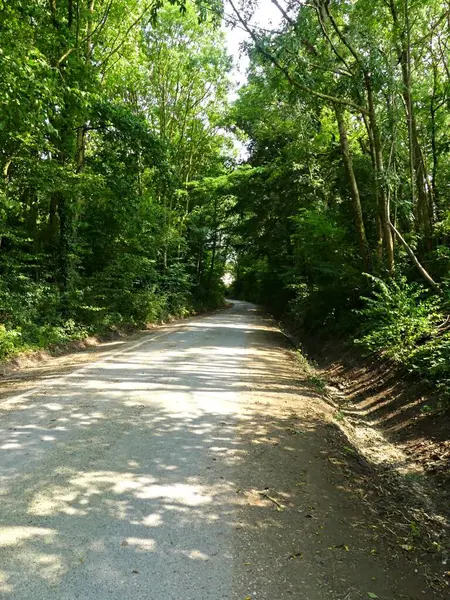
(190, 464)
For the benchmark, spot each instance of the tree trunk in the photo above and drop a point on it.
(433, 110)
(80, 149)
(383, 209)
(379, 224)
(354, 191)
(410, 251)
(65, 241)
(214, 248)
(199, 264)
(419, 173)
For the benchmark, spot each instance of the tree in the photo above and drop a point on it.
(93, 193)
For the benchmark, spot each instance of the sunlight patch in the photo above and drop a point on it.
(145, 545)
(11, 536)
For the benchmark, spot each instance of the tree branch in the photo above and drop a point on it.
(343, 38)
(284, 13)
(329, 40)
(286, 73)
(121, 43)
(410, 251)
(97, 28)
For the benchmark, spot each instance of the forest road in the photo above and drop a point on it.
(192, 464)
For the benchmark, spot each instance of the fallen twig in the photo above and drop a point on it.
(279, 506)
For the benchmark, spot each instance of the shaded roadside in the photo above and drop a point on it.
(401, 433)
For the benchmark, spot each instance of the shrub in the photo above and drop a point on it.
(397, 317)
(9, 342)
(432, 360)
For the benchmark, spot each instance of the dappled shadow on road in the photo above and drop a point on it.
(164, 514)
(122, 472)
(137, 473)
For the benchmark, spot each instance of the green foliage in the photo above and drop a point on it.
(404, 322)
(107, 112)
(345, 115)
(121, 201)
(432, 361)
(10, 341)
(398, 316)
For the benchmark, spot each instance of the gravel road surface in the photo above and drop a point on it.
(192, 463)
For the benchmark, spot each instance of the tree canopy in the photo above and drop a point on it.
(122, 199)
(108, 109)
(344, 196)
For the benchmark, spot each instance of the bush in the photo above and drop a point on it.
(402, 322)
(130, 290)
(9, 342)
(397, 317)
(432, 360)
(23, 301)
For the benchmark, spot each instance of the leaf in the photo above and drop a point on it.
(406, 547)
(372, 595)
(343, 547)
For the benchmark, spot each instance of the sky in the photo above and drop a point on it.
(268, 16)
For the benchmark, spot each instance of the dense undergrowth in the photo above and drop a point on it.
(109, 114)
(397, 320)
(37, 316)
(407, 324)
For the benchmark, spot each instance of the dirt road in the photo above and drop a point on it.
(195, 463)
